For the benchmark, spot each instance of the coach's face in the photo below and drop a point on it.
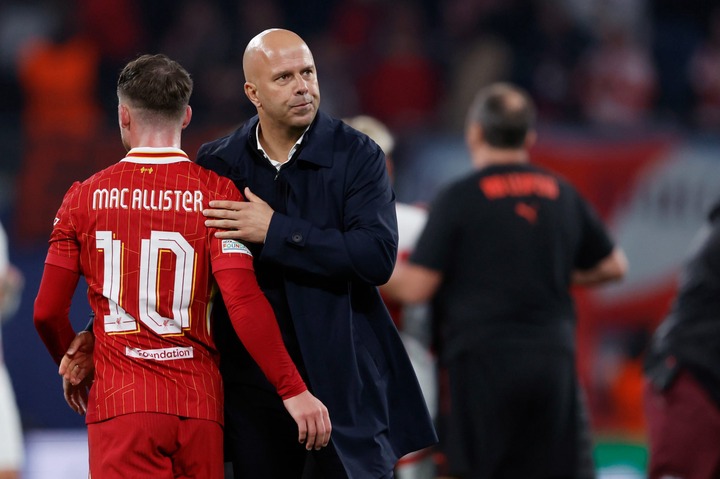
(282, 80)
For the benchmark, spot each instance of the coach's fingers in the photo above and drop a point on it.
(221, 209)
(327, 428)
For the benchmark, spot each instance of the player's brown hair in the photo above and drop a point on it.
(156, 83)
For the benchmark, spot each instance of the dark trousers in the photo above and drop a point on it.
(514, 413)
(261, 440)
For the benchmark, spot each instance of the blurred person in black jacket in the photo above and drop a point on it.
(500, 251)
(682, 369)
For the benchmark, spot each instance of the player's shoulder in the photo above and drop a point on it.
(212, 178)
(80, 186)
(215, 185)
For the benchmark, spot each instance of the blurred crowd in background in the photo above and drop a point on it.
(412, 64)
(610, 66)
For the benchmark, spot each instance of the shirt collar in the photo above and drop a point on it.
(277, 164)
(153, 155)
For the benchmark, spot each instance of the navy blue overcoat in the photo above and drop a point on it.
(334, 237)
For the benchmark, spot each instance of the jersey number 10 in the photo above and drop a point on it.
(118, 320)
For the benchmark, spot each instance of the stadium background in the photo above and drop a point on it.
(629, 111)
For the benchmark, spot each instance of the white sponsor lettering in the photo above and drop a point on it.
(165, 354)
(150, 200)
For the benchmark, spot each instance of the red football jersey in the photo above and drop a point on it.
(136, 232)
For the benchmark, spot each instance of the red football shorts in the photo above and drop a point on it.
(157, 446)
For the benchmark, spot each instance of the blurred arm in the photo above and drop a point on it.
(611, 268)
(411, 283)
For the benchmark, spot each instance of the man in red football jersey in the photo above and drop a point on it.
(136, 232)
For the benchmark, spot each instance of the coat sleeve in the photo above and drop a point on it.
(363, 247)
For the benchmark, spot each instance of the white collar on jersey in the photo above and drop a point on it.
(156, 156)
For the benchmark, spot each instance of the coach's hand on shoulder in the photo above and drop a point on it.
(312, 418)
(242, 220)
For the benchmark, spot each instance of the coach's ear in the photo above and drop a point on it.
(251, 93)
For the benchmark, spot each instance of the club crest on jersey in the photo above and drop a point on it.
(233, 246)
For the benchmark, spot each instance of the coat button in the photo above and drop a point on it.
(297, 237)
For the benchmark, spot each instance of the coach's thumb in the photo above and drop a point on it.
(252, 197)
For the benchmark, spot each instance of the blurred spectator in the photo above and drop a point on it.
(704, 75)
(619, 382)
(594, 14)
(354, 23)
(307, 17)
(255, 17)
(19, 23)
(501, 248)
(617, 83)
(219, 85)
(199, 39)
(403, 88)
(534, 43)
(556, 47)
(347, 51)
(11, 441)
(115, 29)
(339, 70)
(59, 77)
(677, 32)
(464, 20)
(682, 387)
(626, 391)
(486, 60)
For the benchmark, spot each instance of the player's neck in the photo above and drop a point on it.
(498, 156)
(156, 139)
